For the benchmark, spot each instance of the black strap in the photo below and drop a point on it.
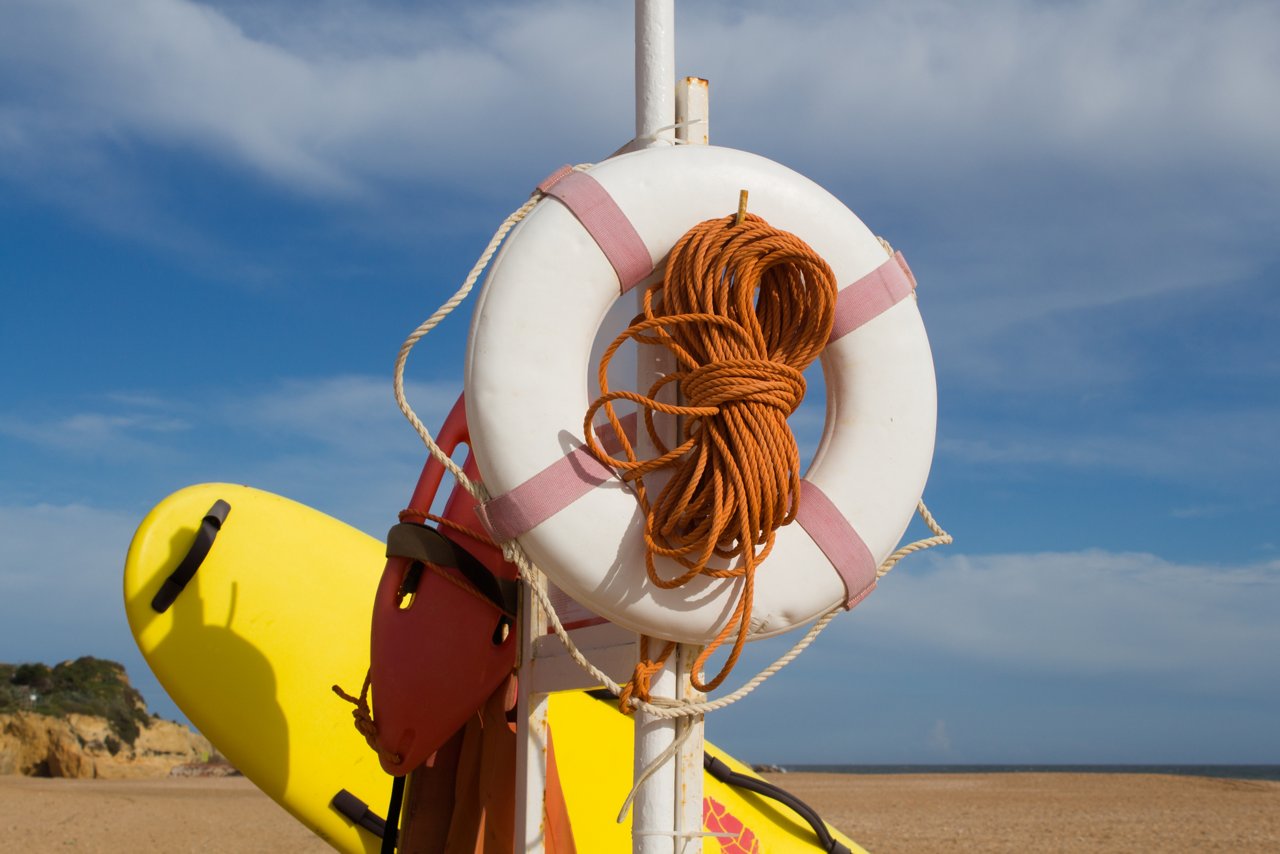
(392, 831)
(427, 545)
(178, 579)
(357, 812)
(727, 775)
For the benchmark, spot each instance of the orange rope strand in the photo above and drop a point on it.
(410, 514)
(744, 308)
(363, 716)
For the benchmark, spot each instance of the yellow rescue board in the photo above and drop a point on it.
(593, 743)
(279, 610)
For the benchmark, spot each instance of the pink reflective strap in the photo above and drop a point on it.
(881, 289)
(604, 221)
(832, 533)
(551, 490)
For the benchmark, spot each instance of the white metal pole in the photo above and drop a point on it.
(693, 118)
(655, 71)
(654, 820)
(531, 729)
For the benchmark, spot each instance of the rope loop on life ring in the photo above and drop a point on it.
(743, 308)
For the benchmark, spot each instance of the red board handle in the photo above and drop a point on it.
(452, 434)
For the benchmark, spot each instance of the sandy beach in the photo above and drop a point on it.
(1044, 812)
(885, 813)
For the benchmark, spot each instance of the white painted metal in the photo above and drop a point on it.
(668, 809)
(610, 648)
(654, 809)
(531, 731)
(692, 115)
(688, 761)
(654, 816)
(693, 111)
(655, 70)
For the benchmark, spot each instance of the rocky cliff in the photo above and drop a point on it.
(82, 718)
(84, 746)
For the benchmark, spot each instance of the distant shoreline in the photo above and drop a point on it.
(1234, 772)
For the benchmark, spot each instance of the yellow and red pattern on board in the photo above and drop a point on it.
(717, 819)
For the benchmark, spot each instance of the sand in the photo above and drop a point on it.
(169, 815)
(886, 813)
(1044, 812)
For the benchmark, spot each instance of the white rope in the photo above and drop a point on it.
(477, 490)
(512, 550)
(650, 769)
(674, 140)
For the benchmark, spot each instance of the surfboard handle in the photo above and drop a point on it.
(357, 812)
(177, 581)
(728, 776)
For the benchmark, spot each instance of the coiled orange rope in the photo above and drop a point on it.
(744, 308)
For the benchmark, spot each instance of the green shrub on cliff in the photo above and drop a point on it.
(86, 686)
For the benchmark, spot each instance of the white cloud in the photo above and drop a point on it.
(1040, 161)
(1024, 133)
(60, 571)
(972, 106)
(356, 414)
(97, 434)
(337, 443)
(1049, 160)
(1089, 614)
(350, 414)
(352, 93)
(1171, 445)
(939, 739)
(183, 74)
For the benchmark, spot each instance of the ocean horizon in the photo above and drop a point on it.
(1238, 772)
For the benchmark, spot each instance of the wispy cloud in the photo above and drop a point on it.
(1079, 656)
(60, 575)
(356, 92)
(97, 434)
(1048, 167)
(1171, 446)
(338, 443)
(1085, 614)
(351, 414)
(939, 739)
(304, 112)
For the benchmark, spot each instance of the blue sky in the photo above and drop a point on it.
(219, 220)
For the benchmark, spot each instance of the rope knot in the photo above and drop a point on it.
(738, 382)
(363, 717)
(640, 686)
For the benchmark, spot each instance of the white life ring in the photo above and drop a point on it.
(527, 391)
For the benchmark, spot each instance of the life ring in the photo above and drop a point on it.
(526, 391)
